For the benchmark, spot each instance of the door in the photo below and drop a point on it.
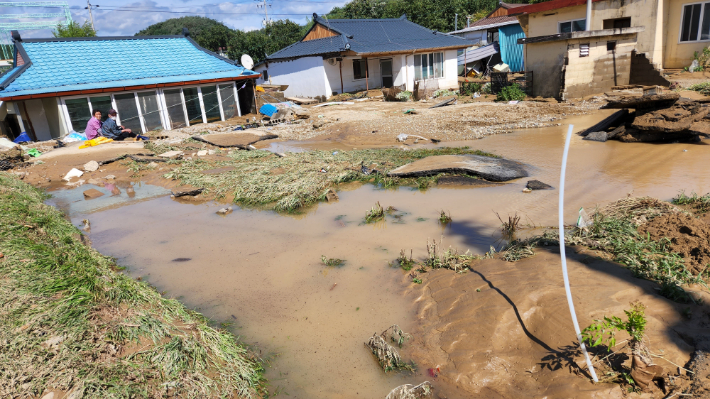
(386, 73)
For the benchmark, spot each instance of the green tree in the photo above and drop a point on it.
(270, 39)
(74, 30)
(196, 25)
(216, 36)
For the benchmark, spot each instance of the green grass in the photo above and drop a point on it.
(262, 178)
(703, 88)
(113, 337)
(332, 262)
(375, 213)
(696, 202)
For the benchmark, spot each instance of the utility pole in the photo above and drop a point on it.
(264, 4)
(456, 22)
(91, 16)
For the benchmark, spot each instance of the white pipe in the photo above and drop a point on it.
(563, 256)
(588, 22)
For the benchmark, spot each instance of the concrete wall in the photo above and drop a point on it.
(57, 127)
(546, 60)
(38, 118)
(599, 71)
(677, 54)
(303, 75)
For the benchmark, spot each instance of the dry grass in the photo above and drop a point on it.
(386, 355)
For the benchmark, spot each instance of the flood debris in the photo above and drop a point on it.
(376, 213)
(72, 173)
(408, 391)
(332, 262)
(403, 137)
(648, 102)
(91, 166)
(224, 211)
(386, 354)
(233, 140)
(191, 193)
(331, 195)
(92, 193)
(489, 168)
(176, 154)
(450, 101)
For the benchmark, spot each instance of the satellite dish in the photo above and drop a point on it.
(247, 62)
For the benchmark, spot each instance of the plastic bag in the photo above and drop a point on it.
(583, 221)
(95, 142)
(74, 136)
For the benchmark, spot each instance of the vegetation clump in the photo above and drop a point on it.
(444, 218)
(702, 88)
(511, 226)
(332, 262)
(511, 92)
(70, 320)
(696, 202)
(469, 88)
(375, 213)
(405, 262)
(386, 354)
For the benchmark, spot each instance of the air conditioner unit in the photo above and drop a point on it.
(332, 61)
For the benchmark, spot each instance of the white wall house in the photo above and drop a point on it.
(330, 60)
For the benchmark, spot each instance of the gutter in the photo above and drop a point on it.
(582, 35)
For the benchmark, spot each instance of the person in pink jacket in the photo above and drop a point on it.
(93, 127)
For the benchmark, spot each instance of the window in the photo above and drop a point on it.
(584, 49)
(572, 26)
(360, 69)
(127, 109)
(150, 110)
(103, 104)
(192, 102)
(428, 66)
(79, 113)
(229, 106)
(265, 75)
(611, 45)
(695, 24)
(617, 23)
(176, 113)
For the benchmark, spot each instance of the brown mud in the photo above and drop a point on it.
(690, 237)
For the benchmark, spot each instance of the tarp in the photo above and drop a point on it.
(480, 53)
(510, 51)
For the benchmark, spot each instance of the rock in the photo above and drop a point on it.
(73, 173)
(48, 396)
(91, 166)
(211, 152)
(92, 193)
(225, 211)
(190, 192)
(301, 113)
(537, 185)
(331, 195)
(201, 153)
(95, 182)
(110, 177)
(493, 169)
(317, 124)
(596, 136)
(172, 154)
(152, 165)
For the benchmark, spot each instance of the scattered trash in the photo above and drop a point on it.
(73, 173)
(95, 142)
(335, 153)
(333, 287)
(583, 220)
(225, 211)
(22, 138)
(202, 153)
(408, 391)
(450, 101)
(74, 137)
(91, 166)
(434, 371)
(502, 67)
(33, 152)
(527, 190)
(513, 102)
(268, 109)
(409, 111)
(5, 143)
(694, 66)
(476, 95)
(323, 170)
(92, 193)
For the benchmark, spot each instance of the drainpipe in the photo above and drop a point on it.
(456, 22)
(588, 22)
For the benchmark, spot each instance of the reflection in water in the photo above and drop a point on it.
(262, 271)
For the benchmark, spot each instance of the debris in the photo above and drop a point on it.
(583, 219)
(450, 101)
(110, 177)
(301, 113)
(152, 165)
(224, 211)
(615, 119)
(92, 193)
(391, 93)
(190, 192)
(5, 143)
(675, 119)
(91, 166)
(268, 109)
(408, 391)
(538, 185)
(493, 169)
(172, 154)
(502, 67)
(73, 173)
(95, 142)
(238, 140)
(331, 195)
(386, 355)
(73, 137)
(22, 138)
(202, 153)
(87, 225)
(695, 65)
(527, 190)
(644, 102)
(33, 152)
(299, 100)
(334, 103)
(596, 136)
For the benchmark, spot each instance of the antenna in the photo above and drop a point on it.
(265, 4)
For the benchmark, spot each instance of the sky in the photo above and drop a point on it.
(125, 18)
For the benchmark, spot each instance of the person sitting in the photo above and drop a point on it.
(93, 127)
(112, 130)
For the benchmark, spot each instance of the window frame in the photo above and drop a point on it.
(428, 66)
(700, 22)
(571, 24)
(367, 69)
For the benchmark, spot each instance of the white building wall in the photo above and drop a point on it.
(38, 118)
(304, 76)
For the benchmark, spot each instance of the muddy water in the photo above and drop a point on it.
(261, 271)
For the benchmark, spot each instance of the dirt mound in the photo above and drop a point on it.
(690, 237)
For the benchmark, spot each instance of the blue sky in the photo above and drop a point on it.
(125, 18)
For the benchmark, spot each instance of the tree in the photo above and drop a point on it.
(270, 39)
(173, 26)
(216, 36)
(74, 30)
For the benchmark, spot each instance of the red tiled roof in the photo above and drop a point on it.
(550, 5)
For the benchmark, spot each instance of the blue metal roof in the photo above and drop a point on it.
(371, 36)
(67, 65)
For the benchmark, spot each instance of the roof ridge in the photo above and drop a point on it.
(100, 38)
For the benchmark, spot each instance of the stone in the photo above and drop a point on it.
(596, 136)
(172, 154)
(91, 166)
(489, 168)
(211, 152)
(201, 153)
(95, 182)
(48, 396)
(152, 165)
(224, 211)
(110, 177)
(331, 195)
(92, 193)
(537, 185)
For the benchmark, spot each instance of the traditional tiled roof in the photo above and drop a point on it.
(366, 36)
(61, 65)
(487, 23)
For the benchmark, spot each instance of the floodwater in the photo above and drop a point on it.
(261, 271)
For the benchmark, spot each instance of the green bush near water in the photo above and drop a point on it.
(67, 316)
(511, 92)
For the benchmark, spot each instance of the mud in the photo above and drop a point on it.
(690, 237)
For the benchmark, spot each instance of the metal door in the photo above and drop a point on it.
(386, 72)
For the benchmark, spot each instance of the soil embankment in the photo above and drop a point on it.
(689, 237)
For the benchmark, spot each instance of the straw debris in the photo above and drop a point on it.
(408, 391)
(386, 354)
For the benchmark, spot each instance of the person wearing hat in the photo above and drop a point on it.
(113, 131)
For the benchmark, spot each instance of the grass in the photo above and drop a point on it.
(405, 262)
(511, 226)
(444, 218)
(70, 321)
(386, 354)
(333, 262)
(288, 183)
(694, 201)
(375, 213)
(703, 88)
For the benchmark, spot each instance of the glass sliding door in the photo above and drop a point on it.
(176, 114)
(128, 111)
(103, 104)
(192, 102)
(150, 110)
(211, 102)
(79, 113)
(229, 106)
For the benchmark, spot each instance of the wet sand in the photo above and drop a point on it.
(261, 271)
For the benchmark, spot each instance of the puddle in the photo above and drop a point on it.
(262, 271)
(116, 193)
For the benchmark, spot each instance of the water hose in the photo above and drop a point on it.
(563, 256)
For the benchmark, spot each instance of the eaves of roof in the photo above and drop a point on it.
(488, 23)
(549, 6)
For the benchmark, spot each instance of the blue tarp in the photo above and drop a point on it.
(510, 51)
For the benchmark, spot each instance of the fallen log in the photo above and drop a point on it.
(615, 119)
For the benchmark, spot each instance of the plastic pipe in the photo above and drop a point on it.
(563, 256)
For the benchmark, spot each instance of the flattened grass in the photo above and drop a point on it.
(69, 321)
(302, 178)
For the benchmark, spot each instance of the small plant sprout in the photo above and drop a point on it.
(375, 213)
(511, 225)
(417, 280)
(404, 262)
(444, 218)
(332, 262)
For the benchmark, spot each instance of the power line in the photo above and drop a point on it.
(196, 12)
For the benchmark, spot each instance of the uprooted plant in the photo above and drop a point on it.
(333, 262)
(386, 354)
(375, 213)
(603, 332)
(408, 391)
(511, 225)
(697, 202)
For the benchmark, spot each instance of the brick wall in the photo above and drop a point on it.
(644, 73)
(20, 60)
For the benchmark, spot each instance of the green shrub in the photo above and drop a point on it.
(486, 89)
(511, 93)
(468, 88)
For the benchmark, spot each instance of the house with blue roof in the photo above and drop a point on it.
(347, 55)
(154, 82)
